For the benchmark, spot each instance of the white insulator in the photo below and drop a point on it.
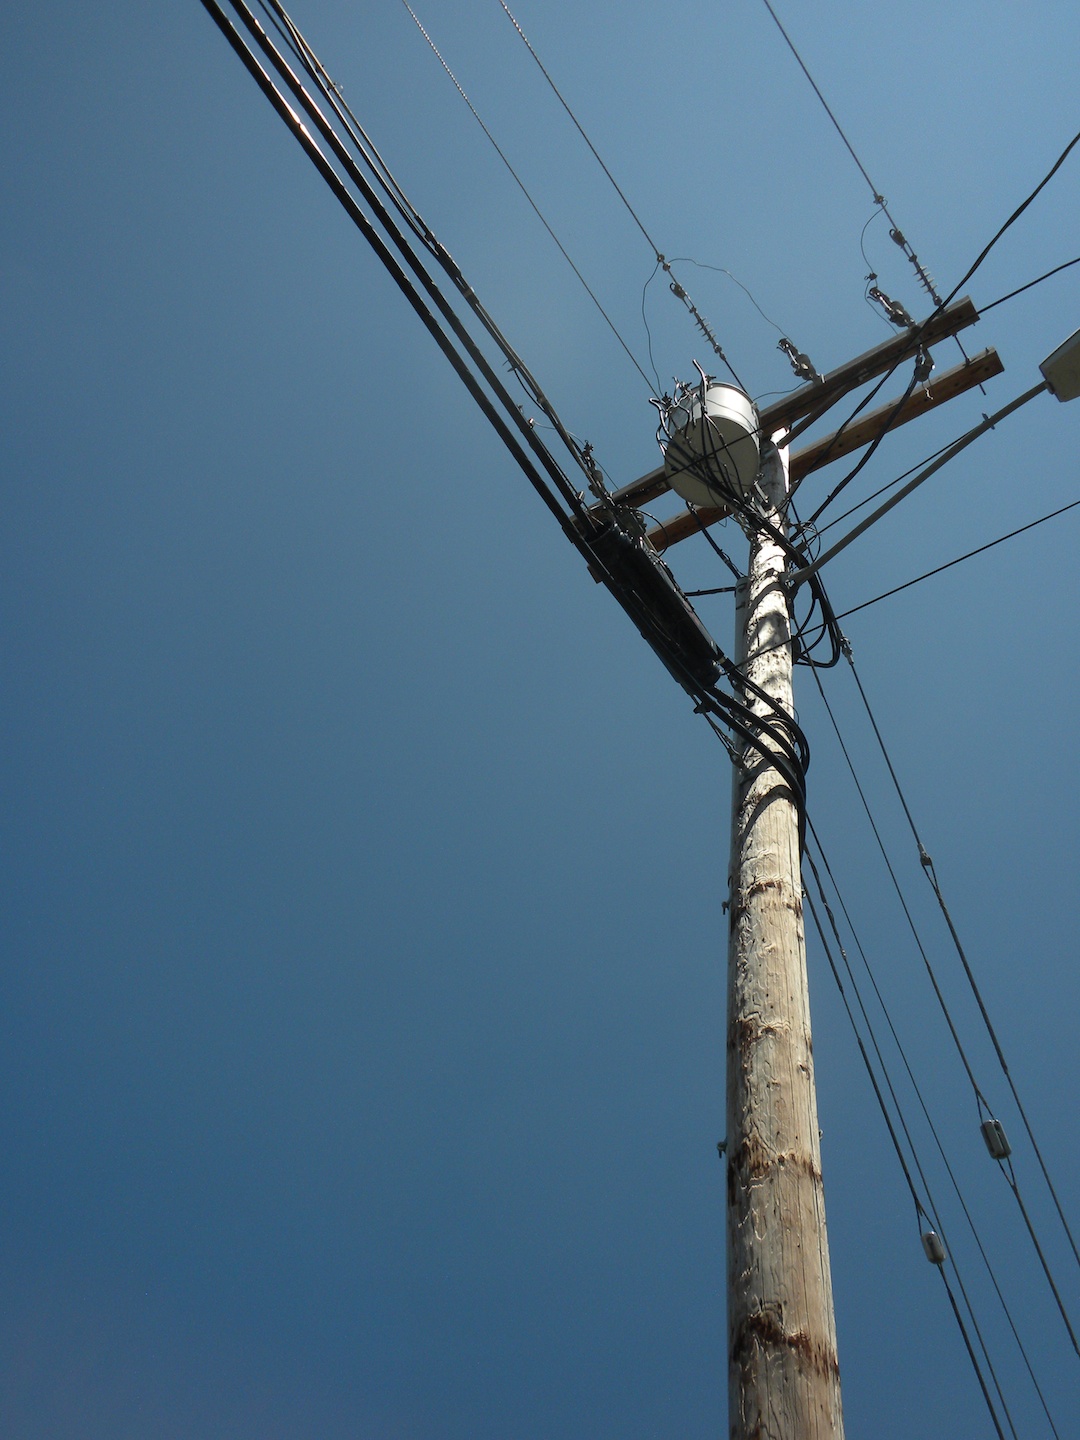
(935, 1250)
(712, 451)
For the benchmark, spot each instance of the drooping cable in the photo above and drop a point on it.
(927, 865)
(889, 485)
(510, 413)
(919, 330)
(381, 176)
(879, 200)
(917, 1089)
(677, 289)
(522, 187)
(942, 1003)
(921, 1211)
(959, 559)
(985, 251)
(1030, 285)
(886, 426)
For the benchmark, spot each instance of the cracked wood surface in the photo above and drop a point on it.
(783, 1374)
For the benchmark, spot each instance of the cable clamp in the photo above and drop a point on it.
(800, 361)
(894, 311)
(924, 859)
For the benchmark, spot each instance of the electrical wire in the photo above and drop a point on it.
(942, 1003)
(985, 251)
(918, 1095)
(928, 869)
(680, 648)
(676, 288)
(871, 448)
(753, 728)
(648, 331)
(522, 187)
(950, 563)
(714, 546)
(919, 331)
(511, 414)
(889, 485)
(720, 270)
(923, 1212)
(879, 200)
(1030, 285)
(389, 186)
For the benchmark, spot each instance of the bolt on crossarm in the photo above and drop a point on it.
(783, 1375)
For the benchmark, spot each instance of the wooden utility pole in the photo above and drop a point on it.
(783, 1375)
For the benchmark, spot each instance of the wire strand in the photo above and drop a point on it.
(1030, 285)
(920, 1209)
(917, 333)
(1016, 216)
(928, 868)
(879, 200)
(522, 187)
(959, 559)
(918, 1095)
(677, 289)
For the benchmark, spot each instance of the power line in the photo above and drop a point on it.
(920, 1210)
(950, 563)
(382, 177)
(1015, 216)
(845, 514)
(466, 364)
(942, 1003)
(982, 1104)
(879, 200)
(916, 374)
(676, 288)
(919, 330)
(1030, 285)
(918, 1095)
(522, 187)
(928, 869)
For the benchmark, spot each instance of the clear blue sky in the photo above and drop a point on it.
(361, 1010)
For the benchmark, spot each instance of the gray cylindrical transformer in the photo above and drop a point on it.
(712, 450)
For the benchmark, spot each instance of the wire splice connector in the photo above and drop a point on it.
(933, 1248)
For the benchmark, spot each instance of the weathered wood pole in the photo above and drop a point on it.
(783, 1376)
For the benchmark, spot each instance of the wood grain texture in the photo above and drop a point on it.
(784, 1379)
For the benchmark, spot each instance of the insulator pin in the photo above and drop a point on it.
(993, 1132)
(934, 1249)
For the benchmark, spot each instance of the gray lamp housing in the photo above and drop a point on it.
(1061, 370)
